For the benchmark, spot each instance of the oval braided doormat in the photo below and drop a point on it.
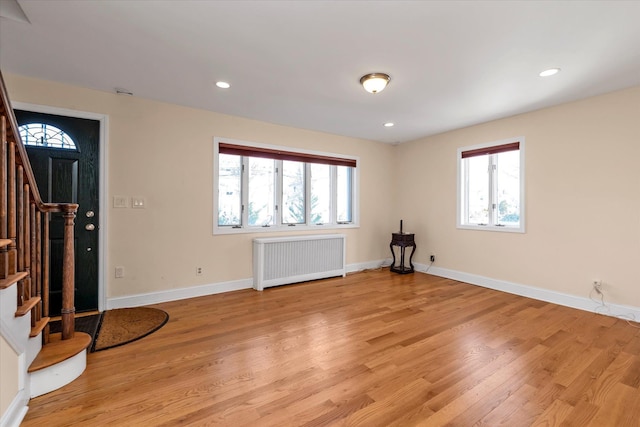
(124, 325)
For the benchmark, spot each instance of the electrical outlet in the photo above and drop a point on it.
(198, 271)
(119, 272)
(432, 258)
(138, 203)
(597, 286)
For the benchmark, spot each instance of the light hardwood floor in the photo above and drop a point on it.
(372, 349)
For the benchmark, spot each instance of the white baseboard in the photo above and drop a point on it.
(178, 294)
(568, 300)
(16, 411)
(138, 300)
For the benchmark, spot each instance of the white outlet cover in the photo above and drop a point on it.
(138, 202)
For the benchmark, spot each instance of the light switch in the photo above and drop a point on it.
(138, 202)
(119, 272)
(119, 202)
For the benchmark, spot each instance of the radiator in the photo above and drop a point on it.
(284, 260)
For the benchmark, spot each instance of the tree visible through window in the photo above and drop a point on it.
(293, 192)
(44, 135)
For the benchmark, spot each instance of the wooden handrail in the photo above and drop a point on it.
(23, 159)
(24, 219)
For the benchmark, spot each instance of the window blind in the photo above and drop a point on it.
(495, 149)
(269, 153)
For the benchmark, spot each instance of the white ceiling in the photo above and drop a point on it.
(297, 63)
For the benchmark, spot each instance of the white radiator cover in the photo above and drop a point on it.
(284, 260)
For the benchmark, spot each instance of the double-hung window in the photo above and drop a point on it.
(491, 186)
(269, 188)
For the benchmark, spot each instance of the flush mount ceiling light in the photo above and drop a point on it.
(223, 85)
(375, 82)
(549, 72)
(389, 124)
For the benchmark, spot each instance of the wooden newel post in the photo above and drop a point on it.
(68, 273)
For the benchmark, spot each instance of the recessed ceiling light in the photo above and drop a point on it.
(388, 124)
(223, 85)
(549, 72)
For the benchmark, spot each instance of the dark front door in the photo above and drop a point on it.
(64, 155)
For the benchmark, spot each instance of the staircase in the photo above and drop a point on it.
(45, 361)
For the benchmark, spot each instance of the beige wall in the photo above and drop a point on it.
(9, 371)
(164, 153)
(582, 199)
(582, 193)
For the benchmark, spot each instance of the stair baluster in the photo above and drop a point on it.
(45, 276)
(27, 242)
(11, 203)
(4, 254)
(20, 230)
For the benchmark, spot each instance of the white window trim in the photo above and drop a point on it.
(459, 181)
(217, 229)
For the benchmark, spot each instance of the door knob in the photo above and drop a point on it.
(89, 227)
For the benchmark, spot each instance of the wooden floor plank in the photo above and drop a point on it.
(372, 348)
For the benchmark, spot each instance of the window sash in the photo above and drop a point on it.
(344, 195)
(230, 206)
(293, 207)
(261, 204)
(321, 204)
(483, 185)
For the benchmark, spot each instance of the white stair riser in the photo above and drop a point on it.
(59, 375)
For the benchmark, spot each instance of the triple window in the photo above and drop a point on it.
(491, 186)
(262, 188)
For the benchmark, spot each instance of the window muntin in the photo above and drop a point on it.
(45, 136)
(291, 195)
(490, 186)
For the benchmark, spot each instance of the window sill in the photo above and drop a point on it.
(281, 229)
(503, 229)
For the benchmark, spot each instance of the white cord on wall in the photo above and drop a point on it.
(604, 309)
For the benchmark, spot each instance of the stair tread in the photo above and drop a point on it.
(4, 243)
(40, 325)
(59, 350)
(27, 306)
(13, 278)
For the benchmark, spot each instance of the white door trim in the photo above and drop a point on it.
(102, 186)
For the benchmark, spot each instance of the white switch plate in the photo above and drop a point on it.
(138, 202)
(119, 202)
